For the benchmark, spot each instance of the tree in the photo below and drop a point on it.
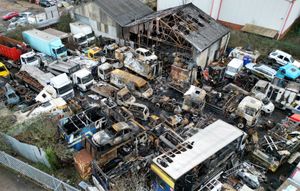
(63, 24)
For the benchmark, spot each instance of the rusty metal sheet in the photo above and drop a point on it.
(83, 162)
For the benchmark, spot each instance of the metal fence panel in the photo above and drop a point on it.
(27, 151)
(41, 177)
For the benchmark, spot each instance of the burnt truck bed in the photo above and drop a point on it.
(104, 89)
(29, 80)
(81, 120)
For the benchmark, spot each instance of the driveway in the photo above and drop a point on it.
(14, 182)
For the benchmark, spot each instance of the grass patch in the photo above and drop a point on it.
(294, 34)
(262, 44)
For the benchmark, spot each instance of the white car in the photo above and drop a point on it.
(146, 55)
(261, 70)
(283, 58)
(233, 68)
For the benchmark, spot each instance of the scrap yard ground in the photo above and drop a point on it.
(120, 105)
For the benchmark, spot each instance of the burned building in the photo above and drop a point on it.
(181, 29)
(185, 29)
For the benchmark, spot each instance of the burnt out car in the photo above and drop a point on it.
(116, 134)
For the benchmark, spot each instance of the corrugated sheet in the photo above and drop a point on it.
(124, 11)
(206, 33)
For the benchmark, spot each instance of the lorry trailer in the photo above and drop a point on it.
(45, 43)
(14, 53)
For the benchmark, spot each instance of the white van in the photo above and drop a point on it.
(233, 68)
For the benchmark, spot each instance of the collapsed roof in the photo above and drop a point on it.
(193, 25)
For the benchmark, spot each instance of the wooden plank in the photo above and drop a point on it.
(266, 32)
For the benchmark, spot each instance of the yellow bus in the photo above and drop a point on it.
(197, 160)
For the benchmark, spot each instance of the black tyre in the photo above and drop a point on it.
(241, 124)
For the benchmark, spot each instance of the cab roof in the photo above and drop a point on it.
(105, 66)
(250, 102)
(123, 91)
(82, 73)
(120, 126)
(94, 49)
(281, 53)
(235, 63)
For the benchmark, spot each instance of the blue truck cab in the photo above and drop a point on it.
(46, 43)
(83, 125)
(11, 97)
(288, 71)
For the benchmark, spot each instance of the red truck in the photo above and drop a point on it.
(14, 53)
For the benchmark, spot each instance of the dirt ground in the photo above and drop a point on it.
(14, 182)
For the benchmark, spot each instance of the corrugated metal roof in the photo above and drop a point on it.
(207, 30)
(124, 11)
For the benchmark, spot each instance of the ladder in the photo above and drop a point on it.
(211, 184)
(231, 171)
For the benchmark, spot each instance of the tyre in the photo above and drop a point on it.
(241, 124)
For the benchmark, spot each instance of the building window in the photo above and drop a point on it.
(98, 26)
(102, 27)
(106, 28)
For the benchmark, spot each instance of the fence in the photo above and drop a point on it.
(27, 151)
(42, 178)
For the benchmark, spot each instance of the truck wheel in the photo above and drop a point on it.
(9, 66)
(106, 147)
(241, 124)
(20, 90)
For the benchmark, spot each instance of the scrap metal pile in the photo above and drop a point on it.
(122, 114)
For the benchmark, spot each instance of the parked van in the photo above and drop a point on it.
(233, 68)
(137, 85)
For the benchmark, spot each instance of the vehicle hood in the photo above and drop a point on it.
(152, 57)
(268, 108)
(229, 73)
(101, 137)
(249, 66)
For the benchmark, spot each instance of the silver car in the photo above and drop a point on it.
(261, 70)
(118, 133)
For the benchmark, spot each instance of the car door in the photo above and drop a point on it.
(280, 59)
(286, 60)
(126, 134)
(118, 138)
(260, 72)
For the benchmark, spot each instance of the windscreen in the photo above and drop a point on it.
(65, 88)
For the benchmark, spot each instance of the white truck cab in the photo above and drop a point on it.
(80, 39)
(233, 68)
(249, 109)
(104, 71)
(63, 86)
(29, 58)
(86, 30)
(83, 79)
